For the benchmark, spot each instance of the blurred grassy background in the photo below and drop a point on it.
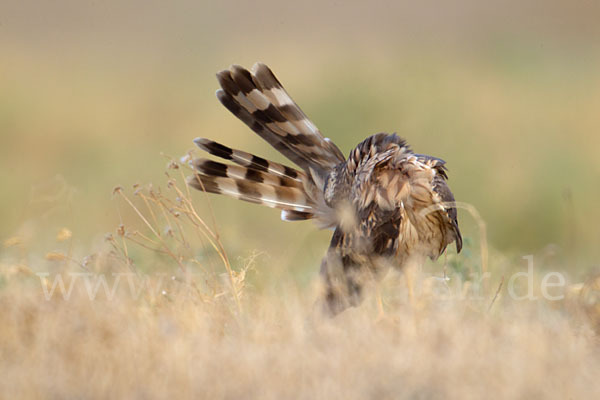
(509, 94)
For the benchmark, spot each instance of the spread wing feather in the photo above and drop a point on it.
(253, 179)
(249, 160)
(259, 100)
(217, 169)
(285, 198)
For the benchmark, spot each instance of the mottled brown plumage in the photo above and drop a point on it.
(386, 204)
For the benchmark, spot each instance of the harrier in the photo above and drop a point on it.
(386, 204)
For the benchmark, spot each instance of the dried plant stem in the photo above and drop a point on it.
(169, 210)
(149, 225)
(150, 210)
(496, 295)
(139, 243)
(214, 237)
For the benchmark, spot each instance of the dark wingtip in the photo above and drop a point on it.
(267, 78)
(459, 243)
(226, 81)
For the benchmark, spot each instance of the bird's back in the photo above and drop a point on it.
(392, 202)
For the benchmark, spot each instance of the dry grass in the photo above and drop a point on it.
(197, 329)
(188, 349)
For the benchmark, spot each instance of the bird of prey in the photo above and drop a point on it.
(386, 204)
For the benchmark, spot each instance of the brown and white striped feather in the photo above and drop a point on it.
(256, 169)
(259, 100)
(249, 160)
(282, 197)
(217, 169)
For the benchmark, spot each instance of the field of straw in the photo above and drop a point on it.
(115, 325)
(118, 281)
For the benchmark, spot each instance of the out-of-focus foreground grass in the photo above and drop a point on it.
(185, 348)
(92, 94)
(179, 319)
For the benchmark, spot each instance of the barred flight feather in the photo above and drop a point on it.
(260, 102)
(287, 198)
(217, 169)
(248, 160)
